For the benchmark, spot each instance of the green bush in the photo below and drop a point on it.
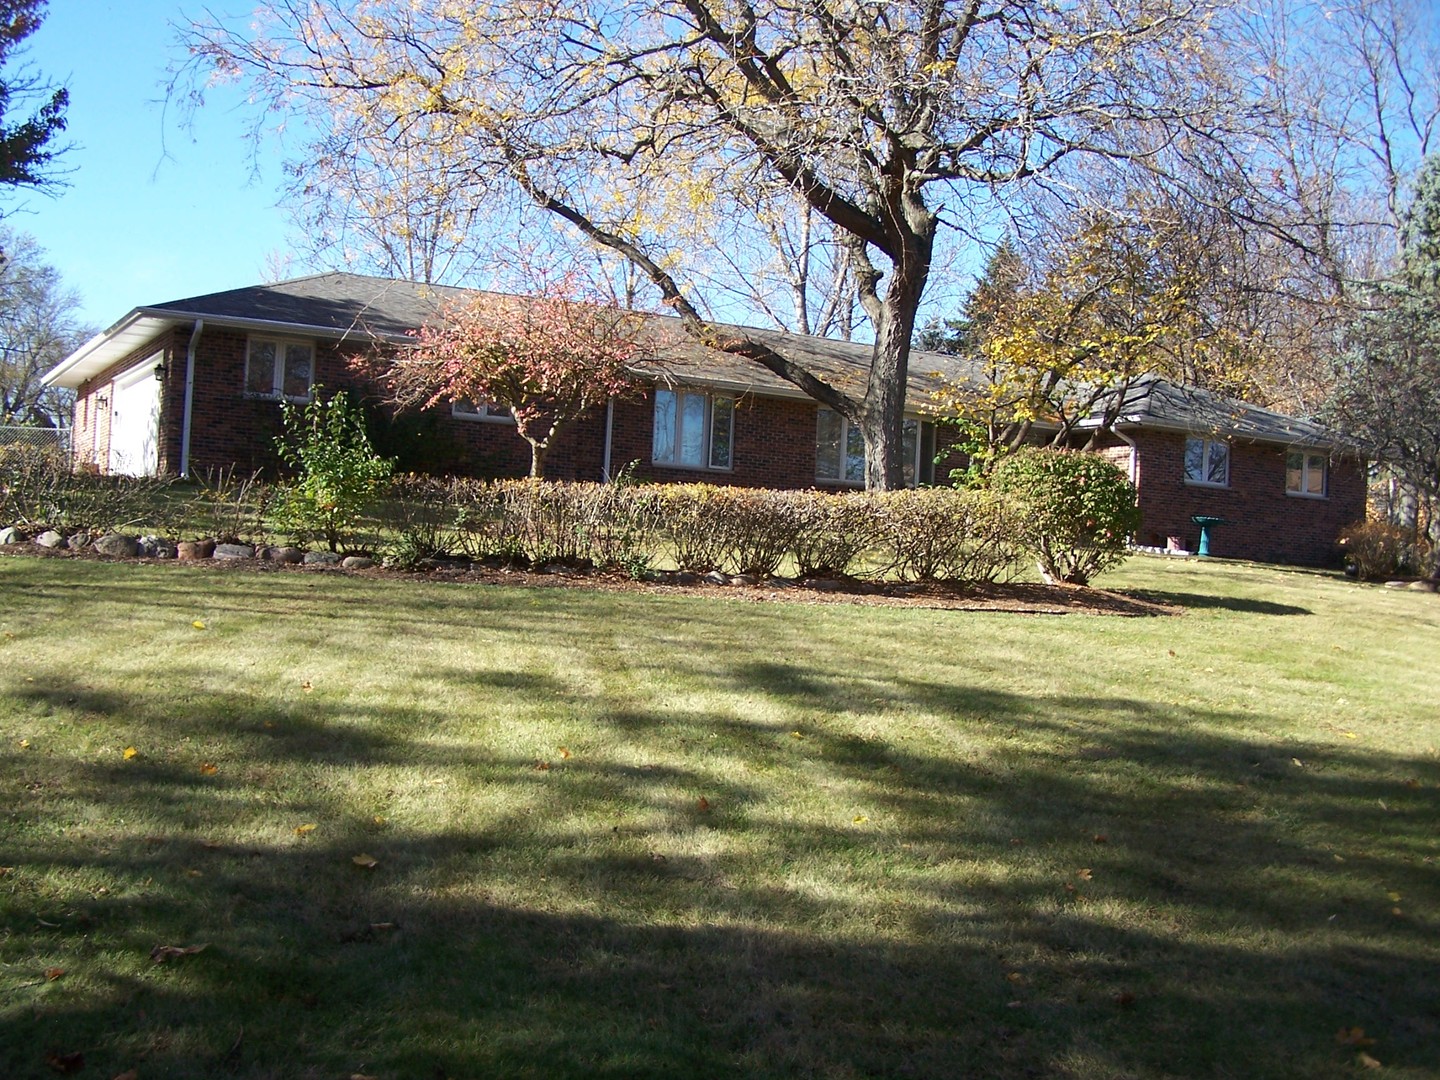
(932, 533)
(1076, 511)
(337, 474)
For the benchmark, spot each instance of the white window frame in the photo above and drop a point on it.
(707, 438)
(1306, 472)
(483, 412)
(916, 463)
(1209, 444)
(277, 390)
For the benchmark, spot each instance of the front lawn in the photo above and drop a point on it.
(619, 835)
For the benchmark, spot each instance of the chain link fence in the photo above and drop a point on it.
(35, 437)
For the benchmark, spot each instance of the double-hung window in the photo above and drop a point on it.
(1305, 473)
(276, 368)
(693, 430)
(1207, 461)
(466, 409)
(840, 450)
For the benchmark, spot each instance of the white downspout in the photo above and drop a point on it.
(609, 433)
(189, 398)
(1134, 454)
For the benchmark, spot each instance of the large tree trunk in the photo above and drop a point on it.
(537, 459)
(882, 413)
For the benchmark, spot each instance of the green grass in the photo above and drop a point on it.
(931, 843)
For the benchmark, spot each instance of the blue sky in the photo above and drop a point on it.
(152, 212)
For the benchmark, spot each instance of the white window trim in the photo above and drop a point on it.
(1209, 442)
(477, 414)
(278, 392)
(706, 439)
(1305, 456)
(840, 481)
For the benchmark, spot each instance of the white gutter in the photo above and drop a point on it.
(189, 398)
(609, 433)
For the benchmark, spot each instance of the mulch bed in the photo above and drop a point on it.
(1018, 598)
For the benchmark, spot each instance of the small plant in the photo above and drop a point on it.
(338, 475)
(1077, 511)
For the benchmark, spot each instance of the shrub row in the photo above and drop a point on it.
(1063, 510)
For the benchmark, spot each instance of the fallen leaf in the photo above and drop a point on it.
(305, 830)
(51, 974)
(1100, 838)
(208, 768)
(1367, 1062)
(1125, 999)
(1083, 874)
(564, 753)
(307, 686)
(128, 1074)
(1353, 1036)
(194, 873)
(1350, 735)
(129, 752)
(1016, 978)
(1173, 652)
(1395, 896)
(198, 625)
(1396, 911)
(379, 926)
(1069, 887)
(860, 819)
(796, 735)
(212, 845)
(161, 953)
(65, 1063)
(1412, 784)
(24, 744)
(361, 1076)
(542, 766)
(369, 862)
(703, 805)
(378, 820)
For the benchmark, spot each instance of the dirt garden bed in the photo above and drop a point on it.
(1022, 598)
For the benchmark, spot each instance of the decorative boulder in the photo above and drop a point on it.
(284, 554)
(156, 547)
(320, 558)
(80, 541)
(357, 562)
(715, 577)
(233, 551)
(118, 545)
(11, 535)
(50, 539)
(191, 550)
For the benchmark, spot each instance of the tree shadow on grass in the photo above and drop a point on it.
(1097, 887)
(1205, 601)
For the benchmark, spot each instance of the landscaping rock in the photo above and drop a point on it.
(233, 551)
(1388, 584)
(320, 558)
(50, 538)
(825, 585)
(118, 545)
(156, 547)
(780, 582)
(11, 535)
(285, 554)
(1423, 585)
(80, 541)
(684, 577)
(715, 577)
(191, 550)
(744, 579)
(357, 562)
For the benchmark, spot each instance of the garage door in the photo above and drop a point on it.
(135, 421)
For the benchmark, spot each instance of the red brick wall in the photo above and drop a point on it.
(90, 437)
(1267, 524)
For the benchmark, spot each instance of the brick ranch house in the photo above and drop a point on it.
(193, 386)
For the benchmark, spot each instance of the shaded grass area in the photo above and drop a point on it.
(638, 835)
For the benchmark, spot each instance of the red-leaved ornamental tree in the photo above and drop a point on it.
(547, 358)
